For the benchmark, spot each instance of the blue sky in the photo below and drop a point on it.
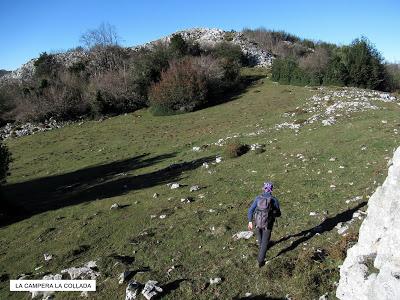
(30, 27)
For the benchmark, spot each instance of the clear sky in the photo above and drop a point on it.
(30, 27)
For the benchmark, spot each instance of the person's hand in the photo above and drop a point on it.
(250, 226)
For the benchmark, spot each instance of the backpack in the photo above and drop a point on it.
(263, 212)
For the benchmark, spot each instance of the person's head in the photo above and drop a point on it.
(268, 187)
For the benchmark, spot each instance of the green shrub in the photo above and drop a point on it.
(336, 72)
(5, 159)
(182, 87)
(365, 65)
(359, 64)
(46, 66)
(178, 45)
(147, 66)
(235, 149)
(230, 52)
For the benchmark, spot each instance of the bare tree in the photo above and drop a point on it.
(316, 61)
(103, 36)
(102, 44)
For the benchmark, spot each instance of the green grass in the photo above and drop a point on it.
(67, 179)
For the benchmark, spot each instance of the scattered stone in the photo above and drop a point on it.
(163, 216)
(332, 186)
(175, 186)
(384, 122)
(243, 235)
(256, 146)
(354, 199)
(170, 270)
(216, 280)
(332, 159)
(205, 165)
(328, 122)
(48, 256)
(85, 294)
(88, 271)
(211, 210)
(151, 289)
(324, 297)
(38, 268)
(194, 188)
(248, 294)
(155, 195)
(313, 213)
(153, 216)
(48, 295)
(196, 149)
(342, 228)
(218, 159)
(115, 206)
(132, 290)
(187, 200)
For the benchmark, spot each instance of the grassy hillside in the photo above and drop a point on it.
(64, 182)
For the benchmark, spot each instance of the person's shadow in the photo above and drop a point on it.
(327, 225)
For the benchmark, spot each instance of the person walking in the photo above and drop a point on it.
(261, 216)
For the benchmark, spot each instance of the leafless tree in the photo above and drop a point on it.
(103, 36)
(102, 44)
(316, 61)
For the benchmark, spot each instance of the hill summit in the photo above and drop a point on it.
(204, 37)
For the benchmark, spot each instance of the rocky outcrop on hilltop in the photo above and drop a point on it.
(204, 37)
(371, 269)
(26, 71)
(210, 37)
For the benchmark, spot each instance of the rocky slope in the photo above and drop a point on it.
(203, 36)
(371, 269)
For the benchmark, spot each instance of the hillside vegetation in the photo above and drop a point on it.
(183, 72)
(326, 149)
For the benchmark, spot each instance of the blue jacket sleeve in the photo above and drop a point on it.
(277, 211)
(251, 210)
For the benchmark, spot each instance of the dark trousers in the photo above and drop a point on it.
(263, 237)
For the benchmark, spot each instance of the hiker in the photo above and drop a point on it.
(264, 209)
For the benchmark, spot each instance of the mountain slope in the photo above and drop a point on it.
(323, 173)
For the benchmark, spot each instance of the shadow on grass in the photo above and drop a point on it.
(169, 288)
(326, 225)
(25, 199)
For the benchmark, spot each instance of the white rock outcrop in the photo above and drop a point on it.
(371, 269)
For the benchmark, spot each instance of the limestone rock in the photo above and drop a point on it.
(151, 289)
(115, 206)
(132, 290)
(243, 235)
(216, 280)
(88, 271)
(371, 269)
(47, 256)
(194, 188)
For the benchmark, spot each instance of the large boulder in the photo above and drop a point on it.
(371, 269)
